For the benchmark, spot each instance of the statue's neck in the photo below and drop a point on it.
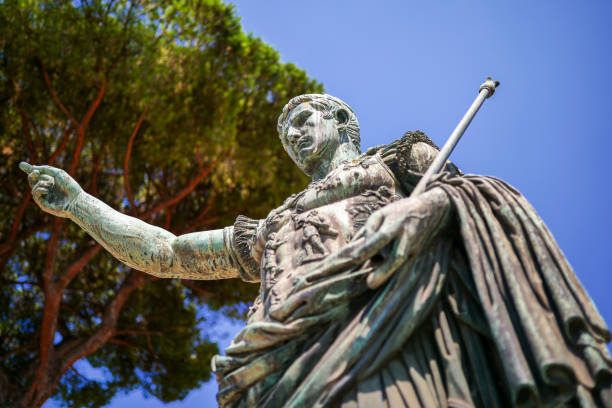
(344, 153)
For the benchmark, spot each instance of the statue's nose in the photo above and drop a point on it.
(293, 136)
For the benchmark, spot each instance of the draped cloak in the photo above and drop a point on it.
(489, 313)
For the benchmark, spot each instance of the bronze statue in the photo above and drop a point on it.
(457, 297)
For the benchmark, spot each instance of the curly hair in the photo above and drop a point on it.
(329, 105)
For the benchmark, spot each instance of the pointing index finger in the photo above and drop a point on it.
(43, 169)
(26, 167)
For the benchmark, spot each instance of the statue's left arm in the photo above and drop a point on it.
(409, 222)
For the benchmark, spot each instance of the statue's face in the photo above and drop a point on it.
(308, 137)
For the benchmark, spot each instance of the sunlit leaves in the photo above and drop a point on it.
(209, 95)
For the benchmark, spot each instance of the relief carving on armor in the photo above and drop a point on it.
(367, 203)
(313, 227)
(270, 268)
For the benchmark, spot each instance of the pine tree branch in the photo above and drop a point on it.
(93, 183)
(50, 312)
(62, 145)
(54, 94)
(47, 274)
(123, 343)
(83, 127)
(18, 350)
(25, 125)
(69, 353)
(73, 270)
(186, 190)
(198, 289)
(126, 162)
(15, 226)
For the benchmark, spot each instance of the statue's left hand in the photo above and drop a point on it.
(407, 222)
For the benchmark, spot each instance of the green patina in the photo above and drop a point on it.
(477, 305)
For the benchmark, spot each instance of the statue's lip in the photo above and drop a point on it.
(303, 142)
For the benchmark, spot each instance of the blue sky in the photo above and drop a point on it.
(406, 65)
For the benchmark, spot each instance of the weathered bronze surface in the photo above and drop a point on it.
(456, 297)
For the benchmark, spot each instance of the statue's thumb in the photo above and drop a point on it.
(27, 168)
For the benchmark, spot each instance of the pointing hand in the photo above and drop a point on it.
(52, 188)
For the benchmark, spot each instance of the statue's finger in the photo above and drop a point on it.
(38, 192)
(360, 234)
(49, 170)
(42, 169)
(398, 256)
(334, 262)
(370, 246)
(46, 179)
(401, 247)
(44, 183)
(26, 167)
(33, 178)
(382, 273)
(373, 223)
(357, 251)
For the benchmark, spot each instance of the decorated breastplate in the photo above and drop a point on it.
(316, 222)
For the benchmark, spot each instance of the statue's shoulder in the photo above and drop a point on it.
(409, 156)
(409, 138)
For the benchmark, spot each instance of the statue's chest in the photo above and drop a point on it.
(320, 220)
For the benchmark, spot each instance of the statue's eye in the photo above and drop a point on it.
(301, 118)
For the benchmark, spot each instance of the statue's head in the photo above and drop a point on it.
(313, 126)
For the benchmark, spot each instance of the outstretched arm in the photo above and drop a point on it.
(200, 255)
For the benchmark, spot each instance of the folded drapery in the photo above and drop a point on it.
(488, 314)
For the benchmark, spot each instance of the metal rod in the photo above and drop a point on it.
(486, 90)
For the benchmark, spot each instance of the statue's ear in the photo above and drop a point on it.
(342, 116)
